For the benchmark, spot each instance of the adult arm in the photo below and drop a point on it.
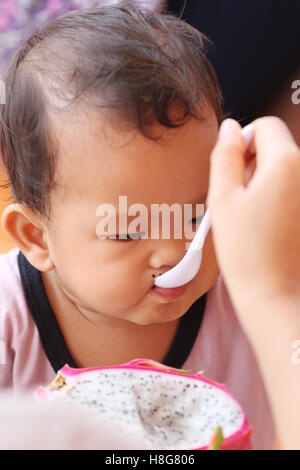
(256, 230)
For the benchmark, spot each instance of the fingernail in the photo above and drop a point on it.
(226, 128)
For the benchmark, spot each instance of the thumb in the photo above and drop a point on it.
(227, 165)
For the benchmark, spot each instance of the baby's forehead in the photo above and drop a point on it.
(97, 160)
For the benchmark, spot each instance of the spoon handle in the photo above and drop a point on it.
(198, 241)
(189, 265)
(203, 230)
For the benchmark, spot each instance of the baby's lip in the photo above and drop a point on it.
(170, 294)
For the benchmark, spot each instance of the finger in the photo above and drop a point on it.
(227, 166)
(272, 141)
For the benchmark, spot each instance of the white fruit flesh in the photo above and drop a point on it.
(166, 410)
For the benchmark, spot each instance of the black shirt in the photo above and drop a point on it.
(52, 338)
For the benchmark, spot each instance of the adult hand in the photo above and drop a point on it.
(256, 226)
(256, 231)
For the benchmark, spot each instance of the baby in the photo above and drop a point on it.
(102, 103)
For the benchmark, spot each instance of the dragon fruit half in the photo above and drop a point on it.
(168, 407)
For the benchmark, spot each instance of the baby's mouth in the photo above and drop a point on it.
(170, 294)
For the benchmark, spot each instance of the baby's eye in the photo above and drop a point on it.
(196, 220)
(129, 237)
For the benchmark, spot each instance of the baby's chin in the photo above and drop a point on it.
(161, 313)
(153, 320)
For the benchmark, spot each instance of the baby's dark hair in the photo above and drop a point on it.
(129, 63)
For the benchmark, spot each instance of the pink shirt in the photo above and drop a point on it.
(220, 347)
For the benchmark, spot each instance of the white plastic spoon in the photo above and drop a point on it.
(189, 266)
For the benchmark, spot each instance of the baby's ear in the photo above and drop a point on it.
(28, 233)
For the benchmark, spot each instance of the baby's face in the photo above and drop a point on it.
(113, 277)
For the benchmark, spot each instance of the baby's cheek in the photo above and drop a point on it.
(111, 288)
